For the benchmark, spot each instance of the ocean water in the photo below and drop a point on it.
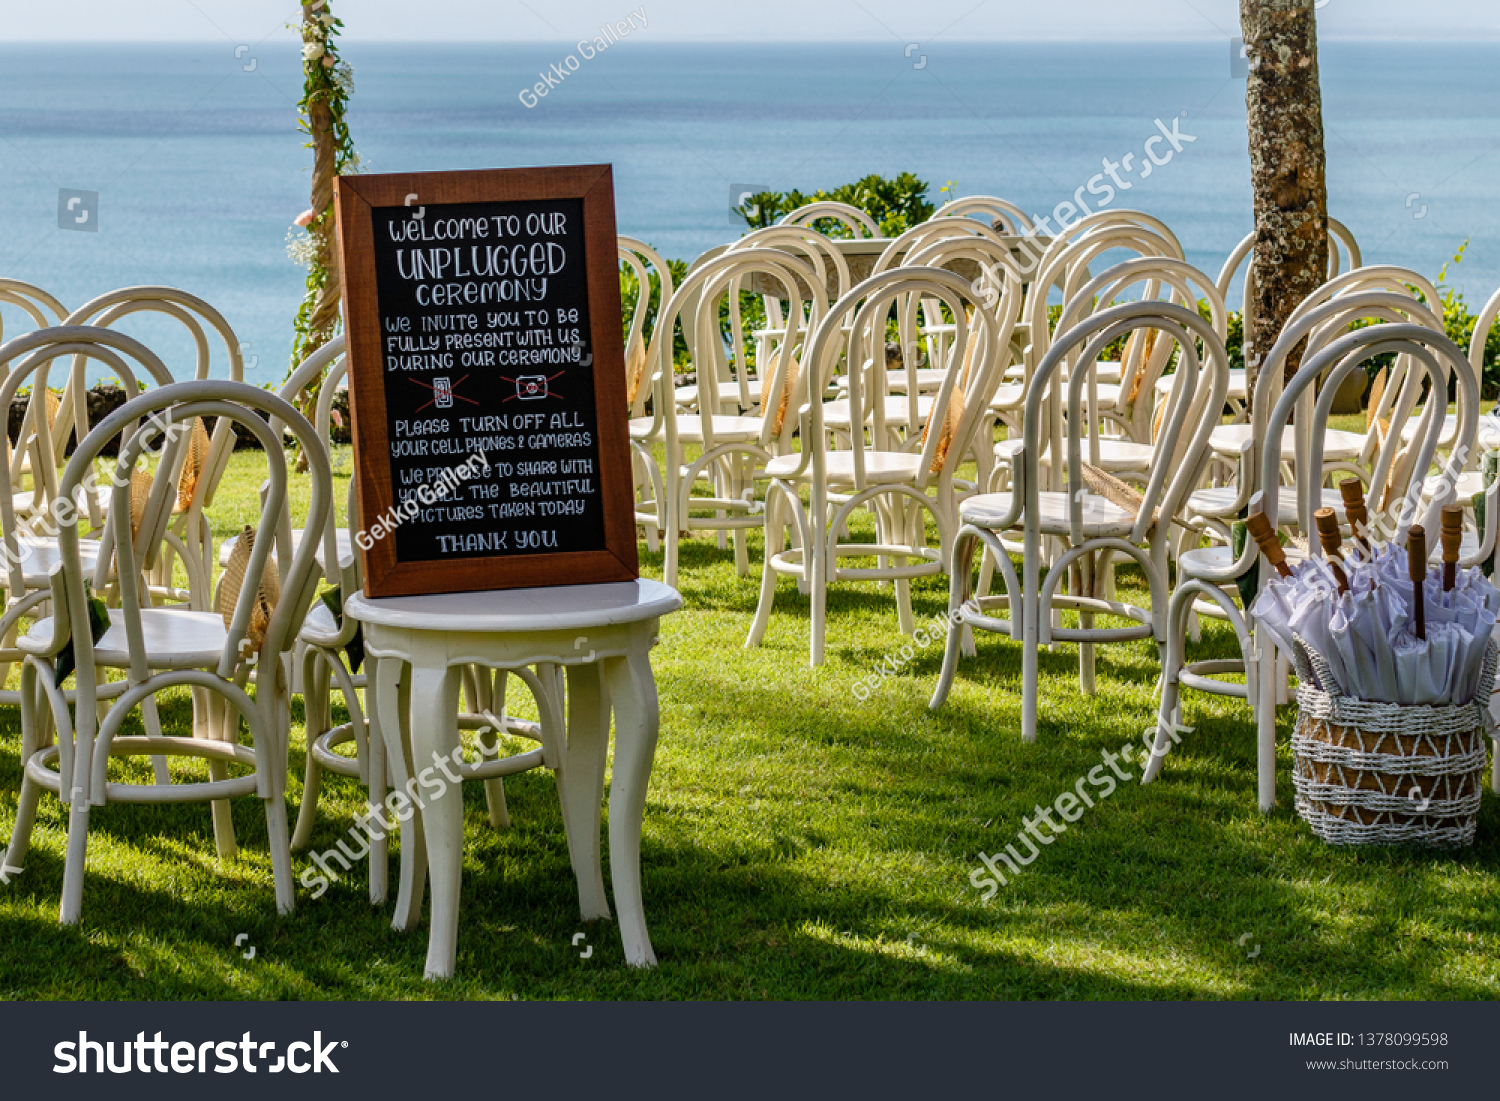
(199, 167)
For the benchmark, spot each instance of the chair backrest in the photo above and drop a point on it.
(1193, 407)
(855, 220)
(725, 342)
(812, 246)
(43, 310)
(934, 229)
(1130, 220)
(199, 319)
(1319, 324)
(1144, 360)
(1434, 354)
(37, 304)
(25, 360)
(1065, 266)
(330, 364)
(999, 287)
(695, 304)
(170, 412)
(954, 417)
(1002, 214)
(1405, 384)
(640, 259)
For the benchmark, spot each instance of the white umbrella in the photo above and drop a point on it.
(1384, 639)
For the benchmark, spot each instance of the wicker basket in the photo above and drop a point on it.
(1388, 774)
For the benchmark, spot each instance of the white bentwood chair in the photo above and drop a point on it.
(1095, 516)
(906, 477)
(163, 648)
(1439, 359)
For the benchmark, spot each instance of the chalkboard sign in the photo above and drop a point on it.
(486, 379)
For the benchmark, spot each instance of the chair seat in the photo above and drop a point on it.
(929, 380)
(1202, 560)
(897, 411)
(1338, 446)
(1108, 394)
(1218, 501)
(1120, 455)
(24, 503)
(881, 467)
(690, 428)
(1008, 397)
(1101, 517)
(1465, 485)
(686, 397)
(1450, 427)
(319, 628)
(345, 544)
(1237, 385)
(38, 566)
(175, 638)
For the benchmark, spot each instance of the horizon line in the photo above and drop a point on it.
(1459, 37)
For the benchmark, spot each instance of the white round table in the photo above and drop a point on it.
(602, 635)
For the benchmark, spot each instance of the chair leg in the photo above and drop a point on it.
(1086, 582)
(78, 843)
(1030, 671)
(774, 544)
(1179, 611)
(494, 788)
(959, 574)
(281, 855)
(152, 720)
(34, 712)
(905, 534)
(741, 535)
(221, 715)
(1265, 720)
(819, 595)
(315, 709)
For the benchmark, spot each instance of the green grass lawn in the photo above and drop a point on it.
(803, 843)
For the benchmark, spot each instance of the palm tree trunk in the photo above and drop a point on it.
(1287, 163)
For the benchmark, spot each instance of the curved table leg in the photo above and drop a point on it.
(434, 736)
(389, 716)
(581, 783)
(632, 691)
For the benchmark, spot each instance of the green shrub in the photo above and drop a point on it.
(895, 205)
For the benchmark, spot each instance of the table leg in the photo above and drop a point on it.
(434, 736)
(390, 715)
(580, 783)
(632, 691)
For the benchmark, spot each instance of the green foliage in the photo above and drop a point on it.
(1459, 324)
(895, 205)
(327, 79)
(630, 292)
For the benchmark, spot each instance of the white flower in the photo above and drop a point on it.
(327, 19)
(311, 51)
(301, 247)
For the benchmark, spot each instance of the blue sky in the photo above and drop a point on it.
(714, 20)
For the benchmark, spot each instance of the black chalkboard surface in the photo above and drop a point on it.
(487, 379)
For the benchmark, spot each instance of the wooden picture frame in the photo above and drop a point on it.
(362, 200)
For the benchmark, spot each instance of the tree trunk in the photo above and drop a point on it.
(1285, 109)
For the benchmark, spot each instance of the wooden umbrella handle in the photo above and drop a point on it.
(1332, 542)
(1452, 537)
(1358, 515)
(1264, 534)
(1416, 564)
